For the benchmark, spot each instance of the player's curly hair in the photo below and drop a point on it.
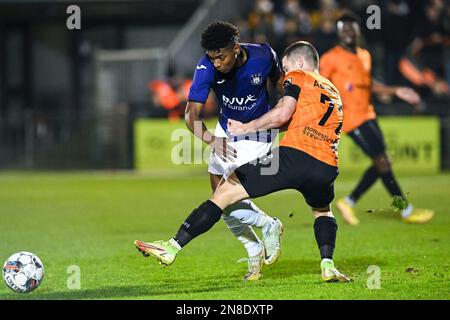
(218, 35)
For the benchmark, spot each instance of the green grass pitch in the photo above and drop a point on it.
(91, 220)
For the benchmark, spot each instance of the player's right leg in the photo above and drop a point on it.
(408, 213)
(198, 222)
(202, 219)
(371, 142)
(316, 183)
(243, 215)
(314, 179)
(325, 230)
(370, 139)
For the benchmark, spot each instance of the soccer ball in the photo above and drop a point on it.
(23, 272)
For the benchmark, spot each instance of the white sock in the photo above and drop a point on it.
(244, 234)
(407, 211)
(250, 217)
(253, 248)
(248, 213)
(349, 201)
(326, 260)
(174, 243)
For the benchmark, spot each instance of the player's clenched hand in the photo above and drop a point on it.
(408, 95)
(221, 147)
(235, 128)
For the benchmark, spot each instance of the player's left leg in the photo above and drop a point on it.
(243, 232)
(383, 166)
(248, 215)
(255, 259)
(408, 213)
(243, 215)
(256, 148)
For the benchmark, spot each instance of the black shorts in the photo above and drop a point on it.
(297, 170)
(369, 138)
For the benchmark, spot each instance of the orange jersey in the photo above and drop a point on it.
(317, 120)
(165, 93)
(350, 73)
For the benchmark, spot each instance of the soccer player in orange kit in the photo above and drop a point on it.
(307, 160)
(348, 67)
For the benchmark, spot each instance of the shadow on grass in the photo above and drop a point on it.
(283, 269)
(386, 213)
(292, 268)
(112, 292)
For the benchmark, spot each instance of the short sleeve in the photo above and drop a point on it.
(201, 83)
(275, 70)
(296, 78)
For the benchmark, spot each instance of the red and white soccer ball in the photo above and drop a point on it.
(23, 272)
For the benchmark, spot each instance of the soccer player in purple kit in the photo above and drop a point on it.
(238, 74)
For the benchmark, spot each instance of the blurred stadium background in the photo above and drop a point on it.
(110, 95)
(70, 99)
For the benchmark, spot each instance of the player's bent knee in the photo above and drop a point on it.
(227, 194)
(238, 205)
(322, 212)
(382, 163)
(318, 214)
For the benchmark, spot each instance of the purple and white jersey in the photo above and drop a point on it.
(242, 93)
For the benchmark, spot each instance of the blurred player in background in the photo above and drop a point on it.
(307, 160)
(349, 68)
(238, 74)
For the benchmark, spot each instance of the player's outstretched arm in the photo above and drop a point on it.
(275, 118)
(198, 128)
(407, 94)
(194, 123)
